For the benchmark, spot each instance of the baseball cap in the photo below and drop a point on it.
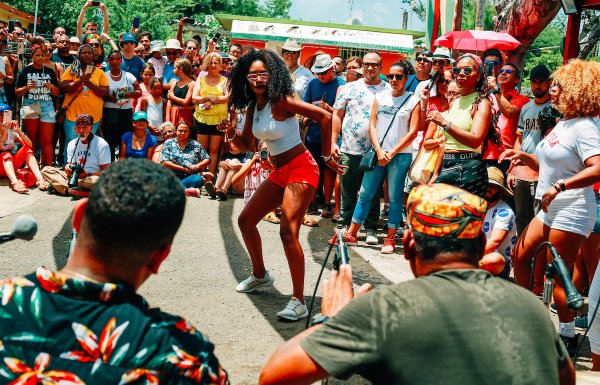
(539, 72)
(140, 115)
(128, 38)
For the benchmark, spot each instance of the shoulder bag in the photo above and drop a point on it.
(427, 162)
(369, 159)
(62, 112)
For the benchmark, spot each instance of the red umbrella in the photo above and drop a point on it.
(475, 40)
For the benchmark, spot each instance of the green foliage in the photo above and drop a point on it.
(546, 49)
(469, 11)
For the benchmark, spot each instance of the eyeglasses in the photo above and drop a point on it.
(452, 93)
(371, 65)
(259, 76)
(395, 76)
(172, 53)
(466, 70)
(286, 52)
(95, 45)
(439, 62)
(422, 59)
(169, 132)
(507, 71)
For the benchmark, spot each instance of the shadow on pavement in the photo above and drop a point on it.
(60, 243)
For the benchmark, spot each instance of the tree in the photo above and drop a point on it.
(590, 33)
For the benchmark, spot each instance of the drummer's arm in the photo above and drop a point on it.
(518, 141)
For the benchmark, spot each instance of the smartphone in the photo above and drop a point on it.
(7, 116)
(136, 22)
(189, 20)
(95, 3)
(216, 37)
(89, 70)
(434, 79)
(11, 26)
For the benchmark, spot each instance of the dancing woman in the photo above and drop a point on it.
(261, 82)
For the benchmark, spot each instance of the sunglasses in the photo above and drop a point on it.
(286, 52)
(493, 63)
(253, 78)
(395, 76)
(439, 62)
(95, 45)
(422, 59)
(172, 53)
(371, 65)
(196, 65)
(466, 70)
(506, 71)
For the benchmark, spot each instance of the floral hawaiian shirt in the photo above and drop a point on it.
(192, 154)
(59, 330)
(356, 99)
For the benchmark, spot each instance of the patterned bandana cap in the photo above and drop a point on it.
(84, 120)
(441, 210)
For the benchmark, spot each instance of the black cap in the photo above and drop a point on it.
(539, 72)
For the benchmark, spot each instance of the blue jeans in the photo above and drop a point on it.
(193, 180)
(396, 172)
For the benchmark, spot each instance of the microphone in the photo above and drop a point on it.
(574, 299)
(24, 227)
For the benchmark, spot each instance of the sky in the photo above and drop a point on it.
(374, 13)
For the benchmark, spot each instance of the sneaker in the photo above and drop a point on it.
(349, 239)
(371, 237)
(553, 308)
(389, 246)
(570, 343)
(581, 323)
(384, 213)
(327, 211)
(294, 310)
(192, 192)
(210, 189)
(252, 283)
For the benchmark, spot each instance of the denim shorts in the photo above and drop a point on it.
(596, 229)
(48, 114)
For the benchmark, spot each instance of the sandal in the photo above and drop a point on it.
(19, 187)
(42, 185)
(309, 222)
(336, 218)
(271, 217)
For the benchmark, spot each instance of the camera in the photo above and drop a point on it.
(76, 170)
(263, 154)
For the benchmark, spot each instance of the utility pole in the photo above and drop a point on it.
(479, 14)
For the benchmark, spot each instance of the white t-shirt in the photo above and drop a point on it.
(119, 88)
(387, 107)
(502, 217)
(562, 154)
(529, 126)
(356, 99)
(302, 76)
(159, 65)
(99, 153)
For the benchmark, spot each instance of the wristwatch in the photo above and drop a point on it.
(448, 126)
(326, 158)
(561, 185)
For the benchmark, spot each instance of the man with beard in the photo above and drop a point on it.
(528, 136)
(498, 227)
(62, 55)
(88, 153)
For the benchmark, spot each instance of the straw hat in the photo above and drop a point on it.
(291, 45)
(173, 44)
(496, 177)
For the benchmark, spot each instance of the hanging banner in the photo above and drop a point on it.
(440, 17)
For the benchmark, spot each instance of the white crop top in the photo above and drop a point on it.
(279, 136)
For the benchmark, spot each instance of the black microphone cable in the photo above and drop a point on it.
(586, 332)
(312, 302)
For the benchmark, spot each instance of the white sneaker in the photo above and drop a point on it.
(293, 311)
(372, 237)
(252, 283)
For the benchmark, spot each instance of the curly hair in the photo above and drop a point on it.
(279, 85)
(579, 81)
(481, 87)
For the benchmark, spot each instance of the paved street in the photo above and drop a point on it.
(197, 280)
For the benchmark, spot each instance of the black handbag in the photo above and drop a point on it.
(369, 158)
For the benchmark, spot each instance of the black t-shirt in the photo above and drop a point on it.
(64, 60)
(40, 76)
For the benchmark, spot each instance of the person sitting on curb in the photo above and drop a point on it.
(86, 324)
(499, 226)
(454, 321)
(88, 155)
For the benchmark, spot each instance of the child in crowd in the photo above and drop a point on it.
(148, 73)
(158, 61)
(155, 107)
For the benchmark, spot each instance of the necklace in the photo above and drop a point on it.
(116, 77)
(138, 139)
(79, 276)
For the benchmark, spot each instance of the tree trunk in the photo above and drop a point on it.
(524, 20)
(591, 38)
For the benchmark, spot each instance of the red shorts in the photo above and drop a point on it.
(18, 159)
(301, 169)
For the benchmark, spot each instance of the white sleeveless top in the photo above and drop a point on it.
(2, 69)
(279, 136)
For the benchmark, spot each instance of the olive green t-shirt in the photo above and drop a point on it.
(450, 327)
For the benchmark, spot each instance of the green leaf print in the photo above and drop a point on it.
(119, 354)
(29, 337)
(18, 298)
(36, 306)
(4, 314)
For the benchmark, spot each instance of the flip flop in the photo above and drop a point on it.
(309, 222)
(271, 217)
(19, 187)
(42, 185)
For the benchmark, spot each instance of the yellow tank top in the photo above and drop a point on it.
(460, 116)
(217, 112)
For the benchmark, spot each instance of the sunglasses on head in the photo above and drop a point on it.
(506, 71)
(395, 76)
(422, 59)
(253, 78)
(466, 70)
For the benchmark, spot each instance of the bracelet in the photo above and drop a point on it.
(232, 137)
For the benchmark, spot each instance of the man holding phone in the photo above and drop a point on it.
(89, 3)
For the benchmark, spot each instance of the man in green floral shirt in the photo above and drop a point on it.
(85, 324)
